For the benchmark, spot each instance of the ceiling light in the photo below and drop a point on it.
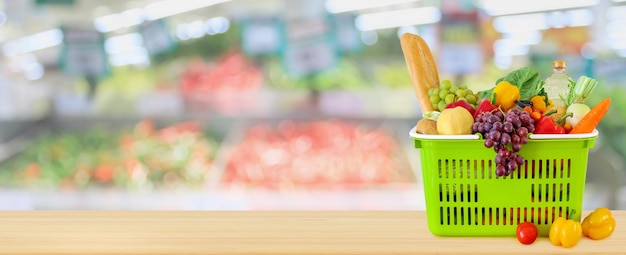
(152, 11)
(339, 6)
(398, 18)
(33, 42)
(524, 22)
(369, 38)
(616, 29)
(120, 20)
(505, 47)
(616, 13)
(618, 44)
(34, 71)
(543, 20)
(3, 18)
(217, 25)
(524, 37)
(498, 7)
(580, 18)
(123, 43)
(138, 57)
(168, 8)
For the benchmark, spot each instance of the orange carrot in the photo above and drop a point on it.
(589, 122)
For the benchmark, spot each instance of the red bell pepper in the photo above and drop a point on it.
(547, 126)
(462, 103)
(484, 106)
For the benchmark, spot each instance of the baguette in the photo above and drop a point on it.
(422, 68)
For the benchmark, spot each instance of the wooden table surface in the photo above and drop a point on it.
(259, 232)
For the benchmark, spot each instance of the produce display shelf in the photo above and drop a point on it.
(392, 195)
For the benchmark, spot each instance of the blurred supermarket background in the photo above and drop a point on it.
(274, 104)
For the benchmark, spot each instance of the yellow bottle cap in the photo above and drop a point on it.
(559, 64)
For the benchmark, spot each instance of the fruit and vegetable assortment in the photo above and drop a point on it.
(173, 156)
(504, 117)
(507, 114)
(314, 154)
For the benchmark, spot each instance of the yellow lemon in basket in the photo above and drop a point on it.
(455, 121)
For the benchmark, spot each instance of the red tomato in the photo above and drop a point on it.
(526, 232)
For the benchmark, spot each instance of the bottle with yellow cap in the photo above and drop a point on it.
(557, 85)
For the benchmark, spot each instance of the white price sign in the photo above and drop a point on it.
(156, 37)
(83, 52)
(309, 48)
(262, 36)
(310, 57)
(348, 37)
(85, 59)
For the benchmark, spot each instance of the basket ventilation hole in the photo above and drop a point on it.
(539, 215)
(441, 215)
(497, 216)
(462, 216)
(567, 192)
(440, 192)
(454, 193)
(569, 167)
(475, 169)
(476, 193)
(454, 169)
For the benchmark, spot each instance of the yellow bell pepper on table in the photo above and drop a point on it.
(599, 224)
(565, 232)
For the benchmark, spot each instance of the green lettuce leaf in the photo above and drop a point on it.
(526, 79)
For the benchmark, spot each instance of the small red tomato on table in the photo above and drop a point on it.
(526, 232)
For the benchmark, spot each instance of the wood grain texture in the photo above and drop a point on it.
(259, 232)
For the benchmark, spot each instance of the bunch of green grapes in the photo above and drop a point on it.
(448, 93)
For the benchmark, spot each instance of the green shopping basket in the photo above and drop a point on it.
(464, 197)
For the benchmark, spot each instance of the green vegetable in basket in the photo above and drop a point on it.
(526, 79)
(455, 121)
(575, 102)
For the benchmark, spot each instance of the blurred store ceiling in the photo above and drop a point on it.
(32, 25)
(25, 17)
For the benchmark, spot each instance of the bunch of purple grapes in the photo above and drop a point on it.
(501, 130)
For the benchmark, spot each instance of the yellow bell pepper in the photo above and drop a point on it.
(599, 224)
(539, 103)
(506, 95)
(565, 232)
